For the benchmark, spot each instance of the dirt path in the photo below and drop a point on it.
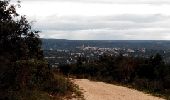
(103, 91)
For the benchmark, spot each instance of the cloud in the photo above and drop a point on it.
(47, 8)
(100, 19)
(116, 22)
(109, 35)
(123, 26)
(111, 1)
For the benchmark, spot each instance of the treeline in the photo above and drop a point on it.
(149, 74)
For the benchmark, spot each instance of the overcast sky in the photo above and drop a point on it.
(100, 19)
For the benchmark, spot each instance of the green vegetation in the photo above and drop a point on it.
(148, 74)
(24, 74)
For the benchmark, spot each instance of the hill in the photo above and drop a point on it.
(72, 44)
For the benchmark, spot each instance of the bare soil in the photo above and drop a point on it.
(103, 91)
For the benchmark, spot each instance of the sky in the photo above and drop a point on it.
(99, 19)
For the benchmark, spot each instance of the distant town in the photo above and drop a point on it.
(62, 56)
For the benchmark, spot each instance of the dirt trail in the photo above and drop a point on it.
(103, 91)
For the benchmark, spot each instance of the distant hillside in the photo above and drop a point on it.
(72, 44)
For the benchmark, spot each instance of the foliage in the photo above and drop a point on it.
(24, 74)
(17, 40)
(150, 74)
(66, 88)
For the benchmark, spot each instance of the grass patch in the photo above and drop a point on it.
(66, 88)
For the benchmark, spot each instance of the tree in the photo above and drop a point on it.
(18, 42)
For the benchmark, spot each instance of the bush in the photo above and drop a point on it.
(23, 75)
(26, 94)
(145, 84)
(31, 73)
(149, 74)
(58, 85)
